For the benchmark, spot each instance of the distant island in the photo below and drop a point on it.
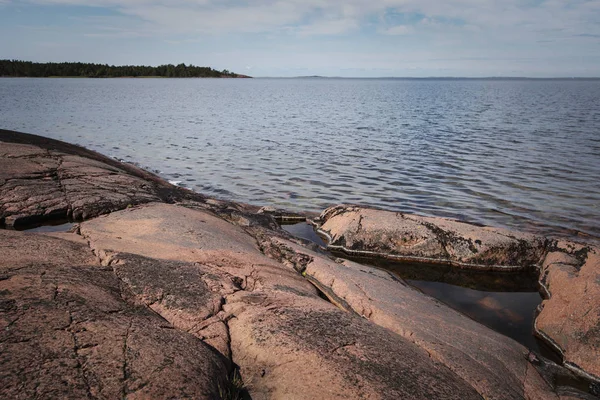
(17, 68)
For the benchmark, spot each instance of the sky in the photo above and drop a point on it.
(354, 38)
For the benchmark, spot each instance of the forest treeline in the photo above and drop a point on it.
(17, 68)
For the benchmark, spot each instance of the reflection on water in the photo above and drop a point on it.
(510, 313)
(305, 231)
(505, 302)
(489, 281)
(522, 154)
(48, 226)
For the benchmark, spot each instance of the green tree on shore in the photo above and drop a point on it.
(17, 68)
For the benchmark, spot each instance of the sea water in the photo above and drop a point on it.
(522, 154)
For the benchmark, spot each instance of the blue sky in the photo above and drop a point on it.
(537, 38)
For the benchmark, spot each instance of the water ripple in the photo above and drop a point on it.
(521, 154)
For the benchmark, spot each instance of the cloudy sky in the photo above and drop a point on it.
(537, 38)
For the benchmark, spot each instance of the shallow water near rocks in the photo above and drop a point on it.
(510, 313)
(504, 302)
(48, 227)
(305, 231)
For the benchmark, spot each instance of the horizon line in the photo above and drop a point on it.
(432, 77)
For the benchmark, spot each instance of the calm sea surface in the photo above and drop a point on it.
(522, 154)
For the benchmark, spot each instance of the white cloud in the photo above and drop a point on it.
(398, 30)
(329, 27)
(314, 17)
(483, 35)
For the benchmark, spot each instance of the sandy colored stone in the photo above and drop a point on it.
(70, 236)
(21, 249)
(66, 332)
(278, 328)
(495, 365)
(291, 347)
(172, 232)
(570, 317)
(370, 232)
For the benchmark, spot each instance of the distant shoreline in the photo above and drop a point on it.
(390, 78)
(125, 77)
(29, 69)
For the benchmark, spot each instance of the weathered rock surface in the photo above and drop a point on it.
(38, 183)
(66, 332)
(43, 179)
(495, 365)
(296, 347)
(277, 327)
(570, 318)
(19, 249)
(173, 295)
(569, 272)
(370, 232)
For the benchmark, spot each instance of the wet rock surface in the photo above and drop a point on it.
(37, 184)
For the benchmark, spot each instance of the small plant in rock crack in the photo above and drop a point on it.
(233, 387)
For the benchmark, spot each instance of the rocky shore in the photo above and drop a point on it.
(160, 292)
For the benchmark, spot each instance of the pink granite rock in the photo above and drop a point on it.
(397, 236)
(570, 317)
(66, 332)
(495, 365)
(277, 326)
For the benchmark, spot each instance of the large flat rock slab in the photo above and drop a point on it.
(276, 326)
(294, 347)
(570, 317)
(393, 235)
(67, 332)
(495, 365)
(171, 232)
